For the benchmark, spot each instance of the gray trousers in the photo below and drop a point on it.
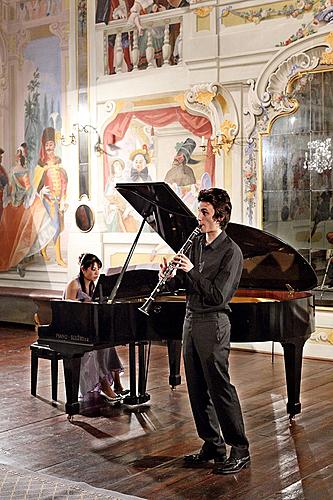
(214, 401)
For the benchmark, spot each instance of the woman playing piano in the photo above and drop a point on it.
(101, 368)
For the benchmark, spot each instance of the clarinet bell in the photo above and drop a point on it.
(146, 307)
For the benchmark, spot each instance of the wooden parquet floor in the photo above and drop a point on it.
(140, 453)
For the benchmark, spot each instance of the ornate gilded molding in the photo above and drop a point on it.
(205, 100)
(228, 130)
(203, 11)
(204, 97)
(278, 81)
(327, 56)
(323, 337)
(276, 98)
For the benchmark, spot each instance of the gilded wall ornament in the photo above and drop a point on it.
(214, 102)
(327, 55)
(203, 11)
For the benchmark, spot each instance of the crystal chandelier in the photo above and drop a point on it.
(319, 156)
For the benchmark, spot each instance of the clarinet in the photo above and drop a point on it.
(168, 273)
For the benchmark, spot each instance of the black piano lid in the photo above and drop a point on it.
(269, 263)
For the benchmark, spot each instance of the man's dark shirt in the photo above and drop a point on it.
(213, 281)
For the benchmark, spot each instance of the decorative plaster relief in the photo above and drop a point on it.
(322, 336)
(203, 11)
(327, 56)
(276, 95)
(110, 107)
(277, 83)
(205, 100)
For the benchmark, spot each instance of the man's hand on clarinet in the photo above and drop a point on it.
(163, 267)
(182, 262)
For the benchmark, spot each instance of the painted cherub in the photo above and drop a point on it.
(139, 7)
(120, 12)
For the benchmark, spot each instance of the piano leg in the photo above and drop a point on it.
(135, 398)
(72, 378)
(293, 366)
(174, 353)
(143, 372)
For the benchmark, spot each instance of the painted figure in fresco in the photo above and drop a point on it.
(138, 8)
(25, 226)
(23, 13)
(140, 159)
(50, 181)
(103, 8)
(109, 10)
(119, 215)
(181, 176)
(3, 181)
(180, 173)
(115, 204)
(53, 7)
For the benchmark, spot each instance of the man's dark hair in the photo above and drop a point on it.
(220, 200)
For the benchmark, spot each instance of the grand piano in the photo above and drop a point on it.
(272, 303)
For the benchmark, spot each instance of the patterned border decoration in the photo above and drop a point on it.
(304, 31)
(259, 14)
(323, 14)
(250, 177)
(322, 10)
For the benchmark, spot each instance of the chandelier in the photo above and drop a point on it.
(319, 156)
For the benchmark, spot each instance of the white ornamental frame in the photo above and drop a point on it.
(269, 98)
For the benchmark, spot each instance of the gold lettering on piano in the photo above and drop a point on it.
(61, 336)
(71, 338)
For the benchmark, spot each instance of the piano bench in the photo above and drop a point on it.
(44, 352)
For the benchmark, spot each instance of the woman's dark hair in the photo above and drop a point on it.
(220, 200)
(87, 260)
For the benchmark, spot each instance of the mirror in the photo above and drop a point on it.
(84, 218)
(297, 173)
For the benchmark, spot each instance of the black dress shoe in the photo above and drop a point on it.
(201, 458)
(232, 465)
